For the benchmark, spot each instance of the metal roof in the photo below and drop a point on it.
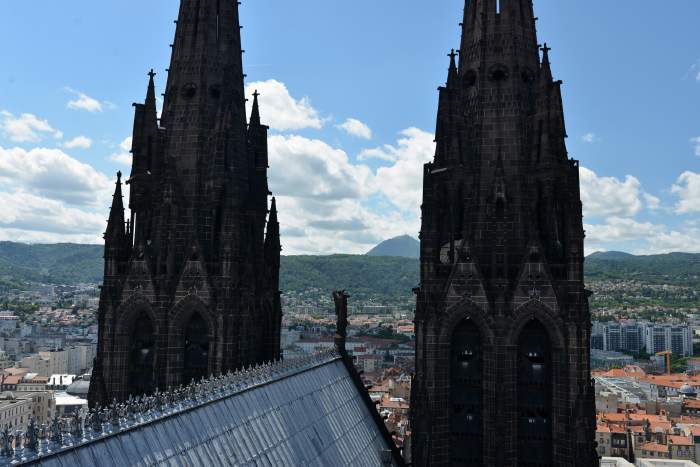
(306, 412)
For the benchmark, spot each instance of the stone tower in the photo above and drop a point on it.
(502, 320)
(191, 279)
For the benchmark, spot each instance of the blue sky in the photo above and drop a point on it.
(631, 72)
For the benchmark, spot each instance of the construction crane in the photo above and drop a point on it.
(667, 354)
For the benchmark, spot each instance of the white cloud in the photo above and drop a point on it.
(653, 203)
(609, 196)
(617, 229)
(29, 218)
(696, 143)
(85, 102)
(590, 138)
(53, 174)
(280, 110)
(26, 128)
(343, 226)
(330, 204)
(310, 168)
(47, 196)
(687, 188)
(79, 142)
(687, 241)
(402, 182)
(640, 237)
(354, 127)
(123, 156)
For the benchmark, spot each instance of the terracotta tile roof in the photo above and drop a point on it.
(686, 420)
(12, 380)
(629, 370)
(660, 427)
(614, 417)
(655, 447)
(691, 404)
(679, 440)
(651, 418)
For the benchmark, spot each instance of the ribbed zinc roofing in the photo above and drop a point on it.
(314, 416)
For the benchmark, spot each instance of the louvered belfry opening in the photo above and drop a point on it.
(196, 349)
(466, 421)
(534, 397)
(142, 354)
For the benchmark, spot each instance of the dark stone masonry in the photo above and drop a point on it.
(502, 321)
(191, 282)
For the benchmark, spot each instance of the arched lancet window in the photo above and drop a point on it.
(142, 353)
(466, 421)
(196, 348)
(534, 396)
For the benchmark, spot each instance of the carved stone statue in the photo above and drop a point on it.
(340, 297)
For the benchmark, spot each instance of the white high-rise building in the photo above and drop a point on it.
(677, 338)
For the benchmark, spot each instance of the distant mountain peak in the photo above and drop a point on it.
(404, 246)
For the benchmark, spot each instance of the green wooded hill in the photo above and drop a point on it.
(361, 275)
(364, 277)
(58, 264)
(673, 268)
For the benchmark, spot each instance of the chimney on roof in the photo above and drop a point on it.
(340, 297)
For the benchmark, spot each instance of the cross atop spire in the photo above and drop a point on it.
(545, 49)
(546, 65)
(452, 73)
(151, 93)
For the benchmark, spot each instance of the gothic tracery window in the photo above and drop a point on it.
(534, 397)
(196, 349)
(466, 427)
(142, 349)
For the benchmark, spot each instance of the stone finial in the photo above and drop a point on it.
(6, 439)
(32, 436)
(56, 431)
(77, 425)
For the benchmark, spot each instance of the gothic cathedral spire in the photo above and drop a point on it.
(194, 267)
(502, 318)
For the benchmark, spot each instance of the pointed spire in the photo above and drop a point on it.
(115, 224)
(272, 220)
(255, 114)
(205, 76)
(272, 238)
(452, 73)
(546, 65)
(151, 93)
